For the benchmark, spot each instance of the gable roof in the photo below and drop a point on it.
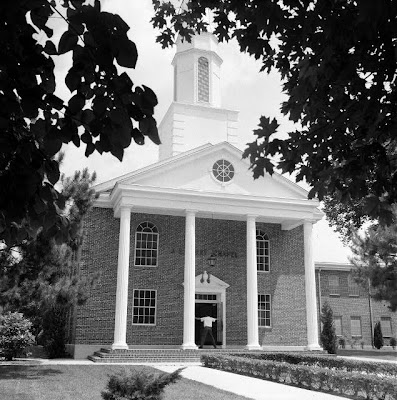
(192, 170)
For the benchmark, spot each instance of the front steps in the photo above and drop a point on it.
(142, 356)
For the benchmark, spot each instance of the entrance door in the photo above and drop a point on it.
(203, 310)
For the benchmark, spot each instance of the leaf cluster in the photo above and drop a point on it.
(104, 113)
(338, 65)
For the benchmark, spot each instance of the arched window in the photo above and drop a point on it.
(262, 251)
(203, 80)
(146, 244)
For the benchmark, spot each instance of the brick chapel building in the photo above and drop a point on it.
(194, 234)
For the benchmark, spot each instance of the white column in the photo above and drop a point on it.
(120, 324)
(310, 288)
(252, 286)
(189, 281)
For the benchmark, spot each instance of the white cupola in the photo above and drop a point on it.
(197, 71)
(196, 117)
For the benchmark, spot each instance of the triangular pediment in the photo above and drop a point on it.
(208, 283)
(193, 170)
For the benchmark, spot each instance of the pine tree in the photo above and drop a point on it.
(41, 278)
(375, 258)
(328, 336)
(378, 336)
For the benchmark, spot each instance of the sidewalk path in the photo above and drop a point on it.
(251, 388)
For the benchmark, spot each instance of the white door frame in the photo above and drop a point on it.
(215, 286)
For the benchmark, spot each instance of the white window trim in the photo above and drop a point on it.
(271, 319)
(341, 325)
(155, 308)
(356, 317)
(334, 286)
(263, 271)
(157, 250)
(209, 102)
(352, 286)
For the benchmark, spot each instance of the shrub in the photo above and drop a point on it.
(393, 342)
(325, 361)
(378, 337)
(350, 384)
(54, 332)
(15, 334)
(139, 386)
(342, 342)
(328, 336)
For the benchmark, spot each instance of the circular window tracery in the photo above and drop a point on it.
(223, 171)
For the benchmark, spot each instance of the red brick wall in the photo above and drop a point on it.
(285, 281)
(348, 306)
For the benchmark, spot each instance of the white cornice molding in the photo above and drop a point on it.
(333, 266)
(151, 199)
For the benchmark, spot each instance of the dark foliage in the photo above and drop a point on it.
(104, 113)
(42, 279)
(375, 259)
(139, 385)
(378, 336)
(328, 336)
(338, 65)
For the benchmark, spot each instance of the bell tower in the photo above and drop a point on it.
(196, 117)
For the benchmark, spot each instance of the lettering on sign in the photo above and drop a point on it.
(205, 252)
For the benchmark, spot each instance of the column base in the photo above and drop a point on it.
(253, 347)
(189, 346)
(313, 347)
(119, 346)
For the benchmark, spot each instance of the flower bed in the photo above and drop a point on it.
(325, 361)
(313, 377)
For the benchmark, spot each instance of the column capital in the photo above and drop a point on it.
(250, 216)
(190, 211)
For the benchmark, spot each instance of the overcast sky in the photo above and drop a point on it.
(243, 89)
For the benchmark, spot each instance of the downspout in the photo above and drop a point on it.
(371, 322)
(319, 300)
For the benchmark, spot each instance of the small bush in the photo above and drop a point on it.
(342, 342)
(139, 386)
(328, 336)
(393, 342)
(378, 337)
(15, 334)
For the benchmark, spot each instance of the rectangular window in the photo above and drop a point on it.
(338, 326)
(333, 284)
(144, 307)
(208, 297)
(264, 310)
(355, 326)
(385, 323)
(354, 289)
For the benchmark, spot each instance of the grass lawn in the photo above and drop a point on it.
(375, 354)
(85, 382)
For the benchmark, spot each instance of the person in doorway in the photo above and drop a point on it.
(207, 329)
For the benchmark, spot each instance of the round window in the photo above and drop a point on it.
(223, 171)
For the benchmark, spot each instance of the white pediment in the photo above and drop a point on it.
(192, 171)
(208, 283)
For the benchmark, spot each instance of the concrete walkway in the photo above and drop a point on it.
(252, 388)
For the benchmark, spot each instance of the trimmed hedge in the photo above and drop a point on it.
(325, 361)
(350, 384)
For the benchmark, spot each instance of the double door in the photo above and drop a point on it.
(212, 309)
